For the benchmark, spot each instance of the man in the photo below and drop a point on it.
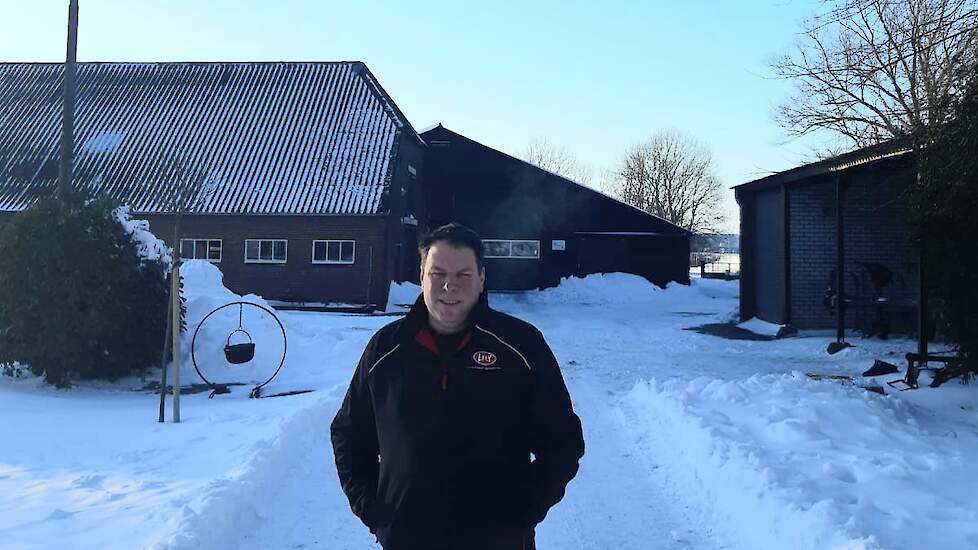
(433, 439)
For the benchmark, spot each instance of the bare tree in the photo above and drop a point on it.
(673, 176)
(872, 70)
(560, 161)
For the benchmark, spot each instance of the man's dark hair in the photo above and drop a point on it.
(456, 235)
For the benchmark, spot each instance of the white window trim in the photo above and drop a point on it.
(328, 262)
(260, 261)
(194, 246)
(511, 243)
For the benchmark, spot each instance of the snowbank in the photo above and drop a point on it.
(628, 289)
(598, 289)
(402, 296)
(786, 462)
(247, 493)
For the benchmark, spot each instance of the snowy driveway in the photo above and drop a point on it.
(724, 448)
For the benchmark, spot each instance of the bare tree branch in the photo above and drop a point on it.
(872, 70)
(540, 152)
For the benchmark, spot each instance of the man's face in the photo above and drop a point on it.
(451, 281)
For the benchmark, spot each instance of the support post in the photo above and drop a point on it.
(175, 323)
(68, 106)
(175, 316)
(163, 375)
(840, 272)
(922, 309)
(840, 266)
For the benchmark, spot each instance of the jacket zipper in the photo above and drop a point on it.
(446, 360)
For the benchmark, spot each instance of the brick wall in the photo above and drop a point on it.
(874, 231)
(363, 282)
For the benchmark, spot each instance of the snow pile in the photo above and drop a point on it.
(150, 247)
(402, 296)
(202, 280)
(597, 289)
(761, 327)
(782, 461)
(205, 292)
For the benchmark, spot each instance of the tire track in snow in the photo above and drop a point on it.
(310, 509)
(615, 502)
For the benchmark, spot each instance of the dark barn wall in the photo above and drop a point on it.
(504, 198)
(874, 232)
(405, 200)
(298, 280)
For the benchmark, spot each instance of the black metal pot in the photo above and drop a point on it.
(237, 354)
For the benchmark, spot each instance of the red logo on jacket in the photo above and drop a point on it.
(484, 358)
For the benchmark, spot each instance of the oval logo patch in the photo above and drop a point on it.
(484, 358)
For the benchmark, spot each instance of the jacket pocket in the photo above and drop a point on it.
(378, 514)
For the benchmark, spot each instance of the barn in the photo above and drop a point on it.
(309, 185)
(304, 175)
(539, 227)
(797, 226)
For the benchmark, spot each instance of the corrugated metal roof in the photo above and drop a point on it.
(837, 163)
(265, 138)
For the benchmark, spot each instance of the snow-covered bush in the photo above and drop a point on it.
(77, 299)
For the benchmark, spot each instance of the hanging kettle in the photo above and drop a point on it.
(237, 354)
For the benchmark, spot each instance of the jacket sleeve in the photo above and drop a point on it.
(557, 440)
(355, 447)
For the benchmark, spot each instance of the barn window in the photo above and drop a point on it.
(333, 252)
(266, 251)
(508, 248)
(201, 249)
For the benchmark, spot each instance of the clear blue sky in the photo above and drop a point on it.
(592, 77)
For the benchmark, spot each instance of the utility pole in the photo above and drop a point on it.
(68, 113)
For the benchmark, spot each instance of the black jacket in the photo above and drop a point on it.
(453, 431)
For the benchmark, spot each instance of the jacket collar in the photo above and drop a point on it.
(417, 318)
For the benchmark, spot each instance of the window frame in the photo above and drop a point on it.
(331, 262)
(261, 261)
(207, 249)
(511, 242)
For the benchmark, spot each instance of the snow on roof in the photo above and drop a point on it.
(273, 138)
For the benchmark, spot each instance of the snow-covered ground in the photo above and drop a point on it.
(694, 441)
